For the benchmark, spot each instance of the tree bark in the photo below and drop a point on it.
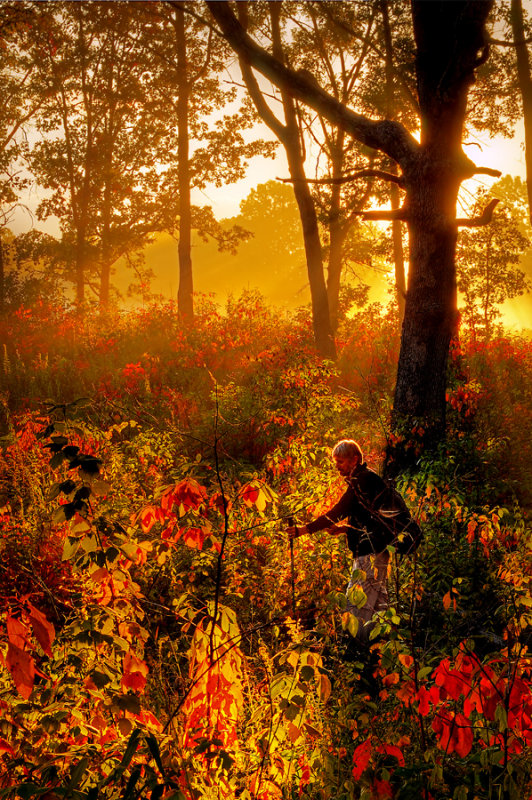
(525, 86)
(185, 294)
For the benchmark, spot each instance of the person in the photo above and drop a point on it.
(366, 506)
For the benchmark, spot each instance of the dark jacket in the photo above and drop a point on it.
(369, 508)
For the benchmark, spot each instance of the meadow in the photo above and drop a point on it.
(156, 640)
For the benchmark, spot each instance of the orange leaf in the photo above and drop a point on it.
(325, 688)
(22, 668)
(135, 671)
(43, 630)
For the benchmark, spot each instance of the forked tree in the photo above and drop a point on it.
(451, 42)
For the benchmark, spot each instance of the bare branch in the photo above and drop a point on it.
(353, 176)
(501, 43)
(483, 219)
(496, 173)
(383, 214)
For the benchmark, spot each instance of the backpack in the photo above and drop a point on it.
(407, 532)
(391, 515)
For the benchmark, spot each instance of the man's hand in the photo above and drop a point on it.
(294, 532)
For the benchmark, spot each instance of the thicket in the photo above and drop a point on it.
(150, 642)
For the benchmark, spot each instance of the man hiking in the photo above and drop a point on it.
(375, 516)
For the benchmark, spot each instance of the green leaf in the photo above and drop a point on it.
(501, 717)
(57, 459)
(307, 673)
(132, 782)
(70, 548)
(77, 773)
(153, 747)
(55, 491)
(352, 625)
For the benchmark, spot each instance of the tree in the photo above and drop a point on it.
(450, 41)
(488, 271)
(288, 133)
(99, 149)
(184, 64)
(16, 110)
(519, 30)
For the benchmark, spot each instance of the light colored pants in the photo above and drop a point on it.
(374, 587)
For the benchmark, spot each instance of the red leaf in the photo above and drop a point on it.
(5, 747)
(22, 668)
(190, 493)
(361, 758)
(462, 738)
(381, 789)
(393, 750)
(194, 537)
(43, 630)
(455, 733)
(148, 519)
(17, 632)
(250, 494)
(135, 671)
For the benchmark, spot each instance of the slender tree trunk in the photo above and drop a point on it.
(525, 85)
(185, 295)
(323, 332)
(2, 278)
(397, 236)
(106, 258)
(337, 233)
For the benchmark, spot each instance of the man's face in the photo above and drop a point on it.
(345, 464)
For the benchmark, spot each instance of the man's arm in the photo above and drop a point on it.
(343, 508)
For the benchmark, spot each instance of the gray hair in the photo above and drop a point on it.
(347, 448)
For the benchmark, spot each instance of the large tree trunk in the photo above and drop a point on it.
(525, 85)
(185, 294)
(430, 311)
(448, 38)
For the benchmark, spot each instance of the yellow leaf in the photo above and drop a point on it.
(325, 688)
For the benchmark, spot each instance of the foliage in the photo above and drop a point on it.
(488, 272)
(150, 642)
